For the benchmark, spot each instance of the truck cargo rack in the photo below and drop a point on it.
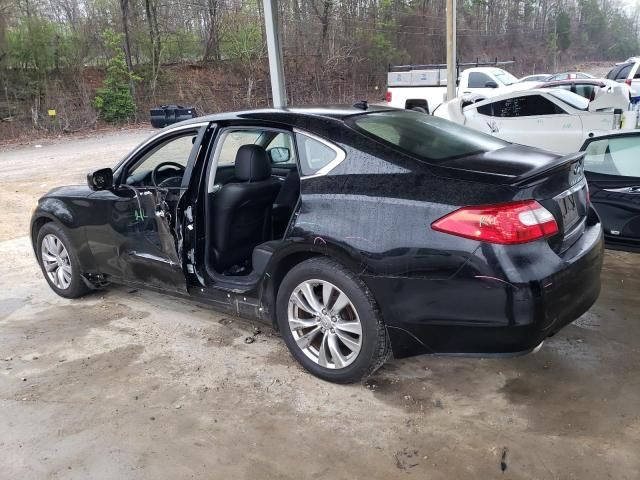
(443, 66)
(432, 74)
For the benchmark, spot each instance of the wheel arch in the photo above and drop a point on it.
(38, 221)
(411, 103)
(288, 259)
(55, 211)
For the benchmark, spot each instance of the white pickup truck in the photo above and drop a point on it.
(424, 87)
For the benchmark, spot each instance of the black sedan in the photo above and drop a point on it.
(612, 167)
(357, 232)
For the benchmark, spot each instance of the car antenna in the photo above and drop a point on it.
(361, 104)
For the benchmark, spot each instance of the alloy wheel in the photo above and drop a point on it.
(324, 324)
(56, 261)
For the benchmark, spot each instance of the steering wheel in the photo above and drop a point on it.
(173, 181)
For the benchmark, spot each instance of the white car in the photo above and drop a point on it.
(537, 77)
(569, 76)
(552, 119)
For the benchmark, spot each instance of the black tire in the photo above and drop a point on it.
(77, 287)
(375, 347)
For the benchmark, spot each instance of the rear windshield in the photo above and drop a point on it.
(570, 98)
(424, 136)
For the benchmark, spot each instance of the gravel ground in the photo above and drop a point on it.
(132, 384)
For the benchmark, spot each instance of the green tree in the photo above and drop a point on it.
(114, 100)
(563, 29)
(592, 20)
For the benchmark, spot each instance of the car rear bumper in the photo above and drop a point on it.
(505, 301)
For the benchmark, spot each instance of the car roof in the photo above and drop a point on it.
(288, 114)
(547, 75)
(569, 81)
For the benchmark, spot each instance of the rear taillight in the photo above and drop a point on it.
(506, 223)
(628, 81)
(388, 96)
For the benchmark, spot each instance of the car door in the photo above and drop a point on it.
(612, 168)
(139, 238)
(535, 121)
(477, 83)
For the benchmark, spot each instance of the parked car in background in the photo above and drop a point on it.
(612, 169)
(552, 119)
(355, 232)
(628, 73)
(568, 76)
(538, 77)
(423, 87)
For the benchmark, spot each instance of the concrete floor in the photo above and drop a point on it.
(132, 384)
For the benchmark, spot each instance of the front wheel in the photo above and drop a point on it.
(330, 322)
(59, 262)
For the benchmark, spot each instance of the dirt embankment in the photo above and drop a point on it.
(208, 88)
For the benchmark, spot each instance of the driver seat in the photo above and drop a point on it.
(242, 208)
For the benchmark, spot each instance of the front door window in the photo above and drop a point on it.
(619, 157)
(164, 165)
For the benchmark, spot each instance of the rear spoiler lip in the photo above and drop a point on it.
(535, 174)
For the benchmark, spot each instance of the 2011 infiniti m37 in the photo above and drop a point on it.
(357, 232)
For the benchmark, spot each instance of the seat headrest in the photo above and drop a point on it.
(252, 164)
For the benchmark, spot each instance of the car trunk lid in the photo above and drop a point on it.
(561, 187)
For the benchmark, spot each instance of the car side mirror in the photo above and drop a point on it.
(491, 84)
(100, 179)
(279, 155)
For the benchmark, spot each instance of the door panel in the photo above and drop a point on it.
(617, 201)
(530, 119)
(558, 133)
(612, 168)
(139, 237)
(136, 242)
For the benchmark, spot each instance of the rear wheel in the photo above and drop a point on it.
(59, 262)
(330, 322)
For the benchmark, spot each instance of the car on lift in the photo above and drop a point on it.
(588, 88)
(356, 232)
(612, 169)
(553, 119)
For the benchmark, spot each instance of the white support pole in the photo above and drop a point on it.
(452, 74)
(276, 70)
